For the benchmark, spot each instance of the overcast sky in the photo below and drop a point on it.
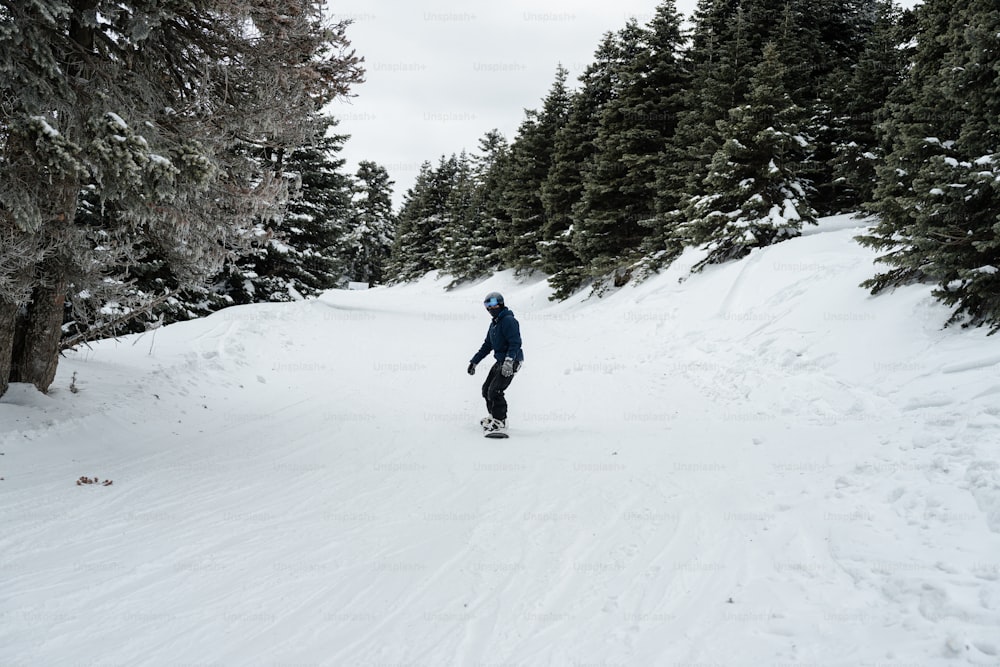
(441, 74)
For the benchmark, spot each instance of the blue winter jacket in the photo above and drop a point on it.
(504, 338)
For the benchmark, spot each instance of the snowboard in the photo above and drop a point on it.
(496, 435)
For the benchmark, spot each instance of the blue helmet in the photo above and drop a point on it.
(493, 301)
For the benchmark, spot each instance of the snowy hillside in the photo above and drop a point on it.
(758, 465)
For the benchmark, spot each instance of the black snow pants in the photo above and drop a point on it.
(494, 388)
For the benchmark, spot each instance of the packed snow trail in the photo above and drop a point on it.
(757, 465)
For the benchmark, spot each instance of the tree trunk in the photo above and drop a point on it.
(38, 328)
(36, 348)
(8, 320)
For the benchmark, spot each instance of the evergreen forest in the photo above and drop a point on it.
(734, 131)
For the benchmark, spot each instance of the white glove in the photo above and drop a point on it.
(508, 367)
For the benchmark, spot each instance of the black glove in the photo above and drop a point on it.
(472, 368)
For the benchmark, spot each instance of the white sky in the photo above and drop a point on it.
(441, 74)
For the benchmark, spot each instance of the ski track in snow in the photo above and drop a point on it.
(761, 465)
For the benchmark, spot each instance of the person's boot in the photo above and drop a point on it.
(495, 425)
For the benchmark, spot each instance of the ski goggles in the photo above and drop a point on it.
(492, 302)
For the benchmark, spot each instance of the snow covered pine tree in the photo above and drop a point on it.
(142, 106)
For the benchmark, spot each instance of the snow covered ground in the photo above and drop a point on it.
(759, 465)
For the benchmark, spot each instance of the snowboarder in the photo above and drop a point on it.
(504, 339)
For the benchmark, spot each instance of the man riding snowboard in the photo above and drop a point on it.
(504, 340)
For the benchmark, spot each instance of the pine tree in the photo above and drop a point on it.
(756, 197)
(725, 45)
(123, 292)
(300, 255)
(602, 228)
(824, 43)
(422, 221)
(409, 258)
(561, 190)
(879, 70)
(633, 140)
(366, 246)
(458, 221)
(530, 160)
(818, 42)
(297, 255)
(721, 51)
(573, 150)
(938, 196)
(471, 246)
(142, 108)
(491, 167)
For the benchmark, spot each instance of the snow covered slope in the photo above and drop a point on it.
(757, 465)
